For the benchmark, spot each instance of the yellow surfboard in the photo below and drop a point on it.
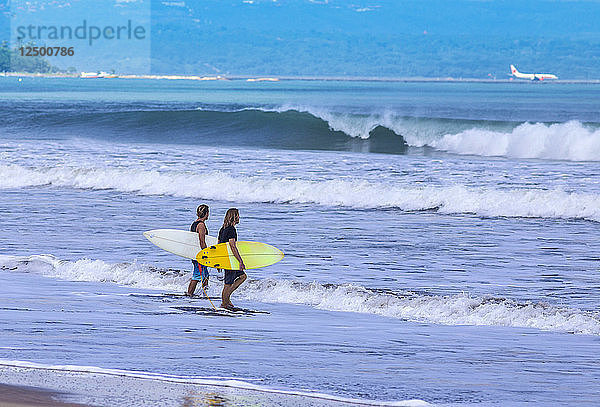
(254, 254)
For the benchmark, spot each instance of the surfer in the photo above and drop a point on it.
(233, 278)
(200, 271)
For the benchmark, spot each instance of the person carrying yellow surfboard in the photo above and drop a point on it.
(233, 278)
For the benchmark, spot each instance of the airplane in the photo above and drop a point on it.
(531, 76)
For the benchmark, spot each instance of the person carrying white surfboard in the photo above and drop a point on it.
(200, 271)
(233, 278)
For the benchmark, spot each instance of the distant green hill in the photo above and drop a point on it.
(379, 38)
(435, 38)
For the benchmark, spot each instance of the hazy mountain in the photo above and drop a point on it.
(435, 38)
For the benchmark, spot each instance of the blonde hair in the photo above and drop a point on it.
(202, 210)
(231, 217)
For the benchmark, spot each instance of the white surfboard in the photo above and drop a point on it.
(179, 242)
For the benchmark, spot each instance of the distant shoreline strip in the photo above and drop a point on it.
(248, 78)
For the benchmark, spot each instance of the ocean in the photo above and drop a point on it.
(441, 241)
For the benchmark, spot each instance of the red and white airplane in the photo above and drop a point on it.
(531, 76)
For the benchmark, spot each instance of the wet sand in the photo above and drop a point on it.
(21, 396)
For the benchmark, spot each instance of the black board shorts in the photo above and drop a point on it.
(232, 275)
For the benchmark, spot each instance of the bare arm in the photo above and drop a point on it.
(236, 253)
(201, 230)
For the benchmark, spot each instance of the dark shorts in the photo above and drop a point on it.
(232, 275)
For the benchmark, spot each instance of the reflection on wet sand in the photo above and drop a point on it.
(205, 399)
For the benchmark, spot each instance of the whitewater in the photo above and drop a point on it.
(571, 140)
(361, 194)
(441, 241)
(460, 309)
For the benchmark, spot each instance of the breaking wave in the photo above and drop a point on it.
(562, 141)
(360, 194)
(460, 309)
(315, 128)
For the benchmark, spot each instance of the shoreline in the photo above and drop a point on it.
(258, 78)
(95, 386)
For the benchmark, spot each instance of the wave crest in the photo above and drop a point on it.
(360, 194)
(319, 128)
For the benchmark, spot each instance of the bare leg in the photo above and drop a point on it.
(225, 295)
(192, 287)
(238, 281)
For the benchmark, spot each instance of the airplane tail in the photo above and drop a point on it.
(513, 70)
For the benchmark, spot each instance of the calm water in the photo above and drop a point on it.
(441, 240)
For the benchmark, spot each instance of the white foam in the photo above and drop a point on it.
(456, 199)
(460, 309)
(16, 176)
(126, 274)
(562, 141)
(204, 381)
